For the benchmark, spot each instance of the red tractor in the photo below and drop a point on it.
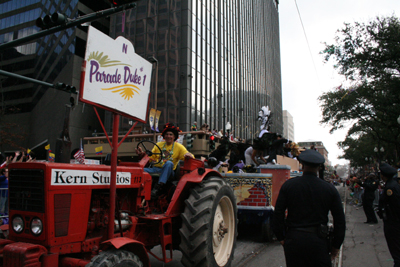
(60, 216)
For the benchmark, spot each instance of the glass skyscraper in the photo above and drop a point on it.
(41, 59)
(218, 60)
(31, 113)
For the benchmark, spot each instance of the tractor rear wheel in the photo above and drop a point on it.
(209, 224)
(115, 258)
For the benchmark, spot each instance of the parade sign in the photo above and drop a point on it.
(114, 77)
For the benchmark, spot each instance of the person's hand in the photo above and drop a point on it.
(9, 159)
(22, 156)
(30, 159)
(139, 151)
(188, 155)
(15, 157)
(334, 253)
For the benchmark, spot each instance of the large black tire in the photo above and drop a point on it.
(209, 225)
(115, 258)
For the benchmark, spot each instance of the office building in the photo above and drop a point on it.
(288, 126)
(216, 62)
(319, 146)
(32, 113)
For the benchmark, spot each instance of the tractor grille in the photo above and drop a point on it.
(26, 190)
(62, 206)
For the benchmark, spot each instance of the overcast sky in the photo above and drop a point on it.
(304, 75)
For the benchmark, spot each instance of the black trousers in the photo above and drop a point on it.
(303, 249)
(392, 235)
(368, 206)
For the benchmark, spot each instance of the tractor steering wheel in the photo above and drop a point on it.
(148, 151)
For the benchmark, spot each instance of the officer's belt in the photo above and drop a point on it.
(311, 229)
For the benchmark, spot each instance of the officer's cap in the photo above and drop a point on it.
(387, 170)
(311, 157)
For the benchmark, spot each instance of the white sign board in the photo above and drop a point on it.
(81, 177)
(115, 77)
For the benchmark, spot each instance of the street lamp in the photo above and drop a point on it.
(376, 150)
(152, 59)
(398, 120)
(382, 149)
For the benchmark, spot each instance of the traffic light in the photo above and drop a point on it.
(65, 87)
(50, 21)
(121, 2)
(189, 141)
(212, 142)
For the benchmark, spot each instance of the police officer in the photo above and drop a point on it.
(308, 200)
(370, 185)
(389, 210)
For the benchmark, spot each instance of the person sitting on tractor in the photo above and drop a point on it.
(172, 153)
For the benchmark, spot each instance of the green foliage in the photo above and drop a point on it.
(367, 55)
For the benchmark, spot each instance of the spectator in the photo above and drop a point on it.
(194, 126)
(204, 127)
(370, 185)
(4, 191)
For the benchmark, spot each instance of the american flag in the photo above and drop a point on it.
(80, 155)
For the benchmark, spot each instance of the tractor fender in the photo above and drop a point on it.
(182, 190)
(128, 244)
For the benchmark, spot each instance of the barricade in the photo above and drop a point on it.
(3, 203)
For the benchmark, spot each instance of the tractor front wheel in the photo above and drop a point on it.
(115, 258)
(209, 225)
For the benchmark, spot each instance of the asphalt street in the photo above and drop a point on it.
(364, 244)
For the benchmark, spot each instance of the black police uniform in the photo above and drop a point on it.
(308, 200)
(370, 186)
(389, 211)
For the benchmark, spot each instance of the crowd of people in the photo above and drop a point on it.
(217, 133)
(379, 195)
(19, 156)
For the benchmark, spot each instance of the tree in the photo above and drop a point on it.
(9, 136)
(368, 56)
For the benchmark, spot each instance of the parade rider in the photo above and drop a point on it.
(172, 153)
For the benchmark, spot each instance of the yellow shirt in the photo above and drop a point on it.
(178, 153)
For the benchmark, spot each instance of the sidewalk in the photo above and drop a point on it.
(364, 244)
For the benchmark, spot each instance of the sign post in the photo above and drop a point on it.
(116, 79)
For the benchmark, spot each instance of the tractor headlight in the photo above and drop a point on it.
(18, 224)
(36, 226)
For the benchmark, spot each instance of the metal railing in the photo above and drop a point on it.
(127, 148)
